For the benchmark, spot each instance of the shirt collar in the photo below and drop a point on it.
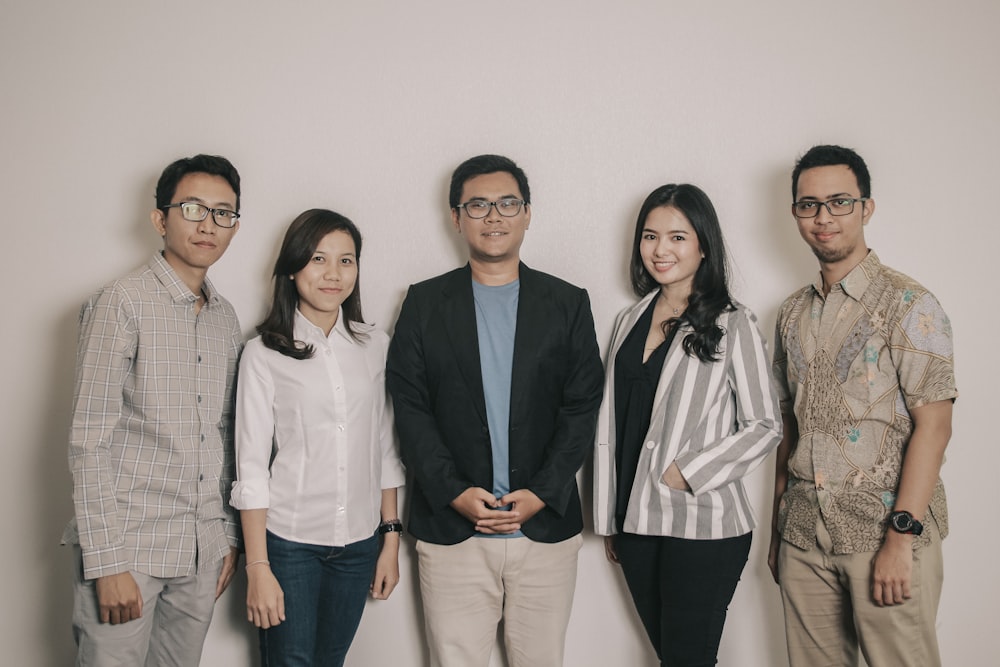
(308, 332)
(179, 292)
(857, 281)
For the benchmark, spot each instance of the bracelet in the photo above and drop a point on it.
(390, 526)
(258, 562)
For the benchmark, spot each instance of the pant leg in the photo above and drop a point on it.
(639, 556)
(344, 585)
(462, 593)
(819, 614)
(298, 569)
(182, 616)
(697, 581)
(539, 583)
(904, 634)
(103, 644)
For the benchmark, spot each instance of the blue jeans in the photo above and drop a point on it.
(325, 591)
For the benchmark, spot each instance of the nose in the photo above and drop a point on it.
(493, 213)
(823, 215)
(207, 226)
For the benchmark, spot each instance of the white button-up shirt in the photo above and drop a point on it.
(328, 425)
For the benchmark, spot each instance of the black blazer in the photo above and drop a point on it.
(434, 376)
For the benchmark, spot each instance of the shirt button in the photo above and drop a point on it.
(199, 358)
(201, 478)
(340, 427)
(199, 398)
(650, 444)
(203, 438)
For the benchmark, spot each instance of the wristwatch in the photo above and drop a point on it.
(390, 526)
(903, 522)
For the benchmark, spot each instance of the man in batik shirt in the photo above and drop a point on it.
(863, 362)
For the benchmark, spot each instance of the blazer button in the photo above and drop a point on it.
(650, 444)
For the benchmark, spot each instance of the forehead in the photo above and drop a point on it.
(667, 219)
(490, 186)
(823, 182)
(206, 188)
(337, 242)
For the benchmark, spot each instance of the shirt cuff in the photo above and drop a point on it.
(251, 494)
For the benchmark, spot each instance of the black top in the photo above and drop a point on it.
(635, 388)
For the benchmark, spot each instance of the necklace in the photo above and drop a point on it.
(676, 311)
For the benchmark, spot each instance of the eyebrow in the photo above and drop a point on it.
(829, 197)
(222, 204)
(669, 231)
(497, 199)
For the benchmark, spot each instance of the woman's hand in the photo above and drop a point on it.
(265, 599)
(609, 549)
(674, 479)
(386, 567)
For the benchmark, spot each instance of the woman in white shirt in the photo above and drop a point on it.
(688, 412)
(317, 464)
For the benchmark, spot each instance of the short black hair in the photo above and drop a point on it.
(486, 164)
(829, 156)
(215, 165)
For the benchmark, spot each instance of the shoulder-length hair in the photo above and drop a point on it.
(301, 240)
(710, 289)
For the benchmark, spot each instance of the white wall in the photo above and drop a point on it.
(367, 107)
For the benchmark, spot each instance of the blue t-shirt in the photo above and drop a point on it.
(496, 323)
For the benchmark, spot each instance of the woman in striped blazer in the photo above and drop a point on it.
(688, 412)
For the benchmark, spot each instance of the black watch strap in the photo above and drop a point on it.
(390, 526)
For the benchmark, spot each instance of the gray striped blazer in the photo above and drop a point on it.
(717, 420)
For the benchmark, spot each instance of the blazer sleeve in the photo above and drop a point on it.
(758, 423)
(576, 418)
(421, 444)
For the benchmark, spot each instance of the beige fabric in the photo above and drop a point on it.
(829, 611)
(468, 587)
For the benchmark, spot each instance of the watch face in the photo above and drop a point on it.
(902, 522)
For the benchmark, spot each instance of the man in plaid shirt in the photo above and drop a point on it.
(151, 440)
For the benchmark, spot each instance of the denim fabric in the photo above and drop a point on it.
(325, 591)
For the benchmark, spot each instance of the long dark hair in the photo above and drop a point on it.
(301, 240)
(710, 288)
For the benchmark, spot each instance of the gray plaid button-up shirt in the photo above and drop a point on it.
(151, 439)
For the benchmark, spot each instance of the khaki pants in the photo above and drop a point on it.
(829, 611)
(176, 613)
(468, 587)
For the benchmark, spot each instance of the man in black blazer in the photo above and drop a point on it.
(496, 379)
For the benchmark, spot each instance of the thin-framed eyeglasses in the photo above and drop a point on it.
(809, 208)
(508, 207)
(195, 212)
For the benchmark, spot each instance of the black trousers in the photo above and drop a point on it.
(682, 590)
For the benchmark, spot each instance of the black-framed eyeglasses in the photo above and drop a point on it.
(195, 212)
(809, 208)
(508, 207)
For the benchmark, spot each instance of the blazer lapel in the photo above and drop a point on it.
(528, 336)
(458, 312)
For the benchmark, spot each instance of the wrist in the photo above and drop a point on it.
(389, 526)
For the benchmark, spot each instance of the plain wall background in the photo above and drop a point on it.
(367, 107)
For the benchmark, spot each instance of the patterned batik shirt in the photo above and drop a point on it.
(850, 367)
(151, 439)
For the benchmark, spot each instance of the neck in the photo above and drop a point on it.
(192, 277)
(493, 274)
(675, 298)
(834, 272)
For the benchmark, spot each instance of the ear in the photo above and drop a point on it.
(867, 211)
(527, 215)
(159, 221)
(454, 219)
